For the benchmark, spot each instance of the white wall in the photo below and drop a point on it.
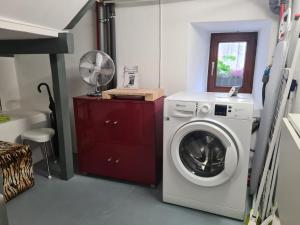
(9, 90)
(32, 19)
(138, 29)
(137, 41)
(199, 47)
(33, 69)
(197, 58)
(176, 19)
(296, 7)
(54, 14)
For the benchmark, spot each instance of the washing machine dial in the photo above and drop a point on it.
(204, 109)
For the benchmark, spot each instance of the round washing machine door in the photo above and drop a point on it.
(204, 153)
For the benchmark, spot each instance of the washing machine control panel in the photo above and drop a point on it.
(191, 109)
(180, 109)
(226, 110)
(237, 111)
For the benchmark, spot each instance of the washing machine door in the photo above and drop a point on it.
(204, 153)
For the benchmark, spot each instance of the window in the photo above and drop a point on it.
(231, 61)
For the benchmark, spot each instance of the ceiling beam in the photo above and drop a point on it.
(7, 55)
(80, 14)
(15, 26)
(64, 43)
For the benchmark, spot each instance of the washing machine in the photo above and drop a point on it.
(206, 151)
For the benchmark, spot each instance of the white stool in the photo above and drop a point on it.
(41, 135)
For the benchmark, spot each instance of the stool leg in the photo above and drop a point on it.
(52, 150)
(47, 160)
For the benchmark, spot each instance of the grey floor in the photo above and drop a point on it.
(95, 201)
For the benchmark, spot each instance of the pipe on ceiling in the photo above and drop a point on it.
(129, 1)
(106, 33)
(275, 6)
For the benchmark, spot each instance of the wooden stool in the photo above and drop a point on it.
(41, 136)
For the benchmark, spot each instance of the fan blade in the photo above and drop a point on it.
(107, 72)
(93, 79)
(105, 61)
(96, 68)
(86, 65)
(99, 59)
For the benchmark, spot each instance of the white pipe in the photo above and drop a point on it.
(273, 176)
(267, 221)
(272, 191)
(160, 46)
(266, 195)
(296, 7)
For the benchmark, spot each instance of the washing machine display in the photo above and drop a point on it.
(202, 153)
(221, 110)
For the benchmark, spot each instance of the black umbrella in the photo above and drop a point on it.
(52, 116)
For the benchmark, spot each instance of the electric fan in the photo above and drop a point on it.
(96, 69)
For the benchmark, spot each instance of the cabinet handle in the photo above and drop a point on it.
(107, 121)
(116, 122)
(109, 159)
(117, 161)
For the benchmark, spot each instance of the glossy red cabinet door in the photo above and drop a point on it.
(136, 163)
(120, 138)
(102, 161)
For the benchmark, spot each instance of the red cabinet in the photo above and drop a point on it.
(120, 138)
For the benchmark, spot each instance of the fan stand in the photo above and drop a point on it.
(96, 93)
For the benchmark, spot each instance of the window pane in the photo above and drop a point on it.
(231, 63)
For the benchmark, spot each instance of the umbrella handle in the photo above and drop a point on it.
(47, 86)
